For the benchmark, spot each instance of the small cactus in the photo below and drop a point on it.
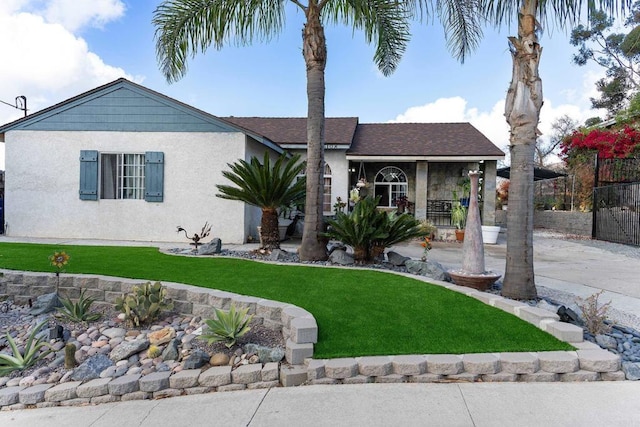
(144, 303)
(154, 351)
(70, 356)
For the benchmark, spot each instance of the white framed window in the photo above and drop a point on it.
(122, 176)
(390, 183)
(327, 206)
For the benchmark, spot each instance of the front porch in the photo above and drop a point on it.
(428, 186)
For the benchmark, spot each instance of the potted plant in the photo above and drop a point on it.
(459, 219)
(464, 188)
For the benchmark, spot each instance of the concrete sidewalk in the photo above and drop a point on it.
(460, 404)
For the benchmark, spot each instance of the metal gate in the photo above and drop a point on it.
(616, 213)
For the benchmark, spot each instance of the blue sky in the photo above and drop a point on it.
(56, 49)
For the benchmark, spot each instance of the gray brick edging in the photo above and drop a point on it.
(588, 363)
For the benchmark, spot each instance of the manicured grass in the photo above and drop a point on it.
(358, 312)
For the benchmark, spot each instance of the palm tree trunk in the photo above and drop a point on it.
(313, 245)
(269, 233)
(522, 110)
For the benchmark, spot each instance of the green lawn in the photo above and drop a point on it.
(358, 312)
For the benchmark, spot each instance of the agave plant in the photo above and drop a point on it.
(78, 311)
(228, 326)
(31, 355)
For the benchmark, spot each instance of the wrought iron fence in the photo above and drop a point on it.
(439, 211)
(616, 213)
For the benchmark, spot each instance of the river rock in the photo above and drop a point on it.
(162, 336)
(219, 359)
(197, 359)
(91, 368)
(631, 370)
(171, 352)
(128, 348)
(606, 341)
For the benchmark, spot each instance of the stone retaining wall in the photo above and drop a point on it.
(564, 221)
(588, 363)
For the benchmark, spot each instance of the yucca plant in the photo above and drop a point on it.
(228, 326)
(31, 355)
(77, 311)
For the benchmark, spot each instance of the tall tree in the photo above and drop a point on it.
(187, 27)
(522, 111)
(618, 52)
(561, 127)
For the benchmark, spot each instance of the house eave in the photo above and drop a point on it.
(362, 158)
(326, 146)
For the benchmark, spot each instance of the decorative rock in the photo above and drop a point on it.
(196, 359)
(219, 359)
(162, 336)
(631, 370)
(114, 332)
(128, 348)
(211, 248)
(280, 255)
(396, 259)
(171, 351)
(341, 257)
(431, 269)
(91, 368)
(606, 341)
(44, 304)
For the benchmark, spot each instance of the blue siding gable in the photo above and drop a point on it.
(127, 110)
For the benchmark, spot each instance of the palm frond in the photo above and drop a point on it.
(384, 21)
(185, 27)
(462, 24)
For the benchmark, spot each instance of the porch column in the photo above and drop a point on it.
(422, 178)
(489, 193)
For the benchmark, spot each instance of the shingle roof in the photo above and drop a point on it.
(293, 130)
(421, 139)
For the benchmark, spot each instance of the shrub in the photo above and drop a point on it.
(595, 314)
(369, 231)
(78, 311)
(228, 326)
(31, 355)
(144, 303)
(153, 351)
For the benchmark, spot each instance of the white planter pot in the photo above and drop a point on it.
(490, 234)
(283, 224)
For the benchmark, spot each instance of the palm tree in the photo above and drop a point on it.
(269, 188)
(186, 27)
(522, 111)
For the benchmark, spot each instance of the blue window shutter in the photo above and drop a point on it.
(88, 175)
(154, 176)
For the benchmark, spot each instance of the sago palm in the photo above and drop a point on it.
(267, 187)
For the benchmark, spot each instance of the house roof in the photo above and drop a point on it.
(131, 117)
(288, 131)
(421, 139)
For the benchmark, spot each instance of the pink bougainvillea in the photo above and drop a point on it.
(609, 143)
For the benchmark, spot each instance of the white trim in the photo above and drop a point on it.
(326, 146)
(423, 158)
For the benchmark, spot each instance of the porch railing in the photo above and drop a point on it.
(439, 211)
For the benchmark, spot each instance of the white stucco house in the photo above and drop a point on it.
(124, 162)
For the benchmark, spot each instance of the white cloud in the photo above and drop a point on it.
(491, 123)
(449, 110)
(73, 15)
(44, 59)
